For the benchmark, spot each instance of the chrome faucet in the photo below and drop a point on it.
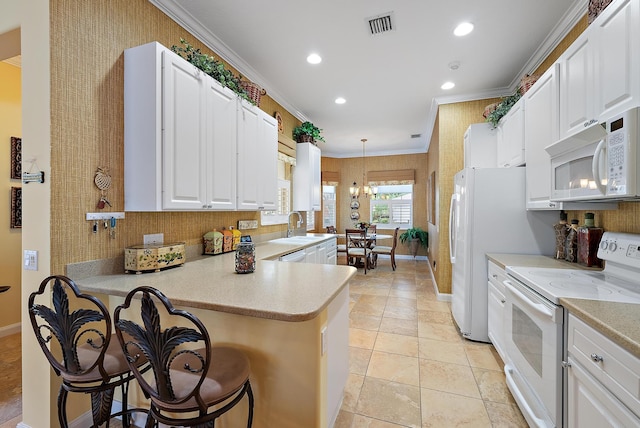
(289, 228)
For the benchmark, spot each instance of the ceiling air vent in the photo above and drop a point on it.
(381, 24)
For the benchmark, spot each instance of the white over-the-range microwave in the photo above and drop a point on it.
(599, 163)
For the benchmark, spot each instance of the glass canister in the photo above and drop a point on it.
(245, 257)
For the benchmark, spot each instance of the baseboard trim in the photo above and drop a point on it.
(443, 297)
(8, 330)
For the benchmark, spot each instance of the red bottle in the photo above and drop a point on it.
(589, 238)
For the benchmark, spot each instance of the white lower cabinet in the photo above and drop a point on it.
(311, 254)
(603, 380)
(496, 307)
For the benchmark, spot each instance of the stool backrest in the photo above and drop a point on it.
(72, 329)
(179, 355)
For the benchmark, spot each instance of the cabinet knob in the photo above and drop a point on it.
(494, 275)
(503, 301)
(596, 358)
(566, 364)
(552, 204)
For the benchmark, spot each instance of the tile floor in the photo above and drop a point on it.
(408, 365)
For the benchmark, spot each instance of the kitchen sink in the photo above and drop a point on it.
(297, 240)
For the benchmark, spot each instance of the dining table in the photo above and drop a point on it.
(371, 239)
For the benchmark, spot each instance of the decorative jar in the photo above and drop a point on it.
(245, 257)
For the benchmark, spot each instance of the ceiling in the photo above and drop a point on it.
(391, 81)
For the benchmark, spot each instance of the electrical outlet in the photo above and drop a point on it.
(155, 238)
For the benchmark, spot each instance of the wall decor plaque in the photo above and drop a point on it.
(16, 158)
(16, 207)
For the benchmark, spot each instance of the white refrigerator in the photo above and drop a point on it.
(488, 215)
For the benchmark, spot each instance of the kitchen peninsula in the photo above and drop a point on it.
(291, 319)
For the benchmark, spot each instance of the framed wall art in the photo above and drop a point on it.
(16, 158)
(16, 207)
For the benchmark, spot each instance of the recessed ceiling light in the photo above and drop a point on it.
(447, 85)
(314, 59)
(340, 100)
(463, 29)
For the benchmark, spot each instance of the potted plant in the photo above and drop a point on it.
(307, 133)
(415, 237)
(214, 68)
(503, 108)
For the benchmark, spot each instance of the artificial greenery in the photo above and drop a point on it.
(415, 233)
(308, 128)
(211, 66)
(503, 108)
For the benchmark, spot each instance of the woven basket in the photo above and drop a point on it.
(527, 82)
(254, 91)
(595, 7)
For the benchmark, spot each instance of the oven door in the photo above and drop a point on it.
(533, 342)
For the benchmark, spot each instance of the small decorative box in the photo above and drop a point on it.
(153, 257)
(213, 242)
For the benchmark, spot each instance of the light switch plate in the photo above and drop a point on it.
(30, 260)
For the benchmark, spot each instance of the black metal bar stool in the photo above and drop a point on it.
(187, 373)
(74, 332)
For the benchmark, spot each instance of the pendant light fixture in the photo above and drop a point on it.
(366, 189)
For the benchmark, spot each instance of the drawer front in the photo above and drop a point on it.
(615, 368)
(496, 275)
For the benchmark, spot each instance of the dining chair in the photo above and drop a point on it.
(340, 248)
(390, 251)
(74, 332)
(191, 383)
(356, 247)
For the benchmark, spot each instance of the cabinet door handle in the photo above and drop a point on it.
(596, 358)
(566, 364)
(495, 276)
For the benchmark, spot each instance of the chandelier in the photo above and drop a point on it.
(366, 189)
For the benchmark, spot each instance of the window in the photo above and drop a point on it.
(392, 206)
(311, 220)
(279, 216)
(328, 206)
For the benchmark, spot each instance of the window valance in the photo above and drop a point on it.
(330, 178)
(391, 177)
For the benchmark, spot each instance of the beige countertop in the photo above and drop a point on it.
(276, 290)
(620, 322)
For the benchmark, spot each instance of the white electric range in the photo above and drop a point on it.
(534, 321)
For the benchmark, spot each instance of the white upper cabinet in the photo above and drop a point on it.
(510, 148)
(617, 37)
(577, 92)
(540, 130)
(184, 141)
(257, 159)
(307, 191)
(600, 69)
